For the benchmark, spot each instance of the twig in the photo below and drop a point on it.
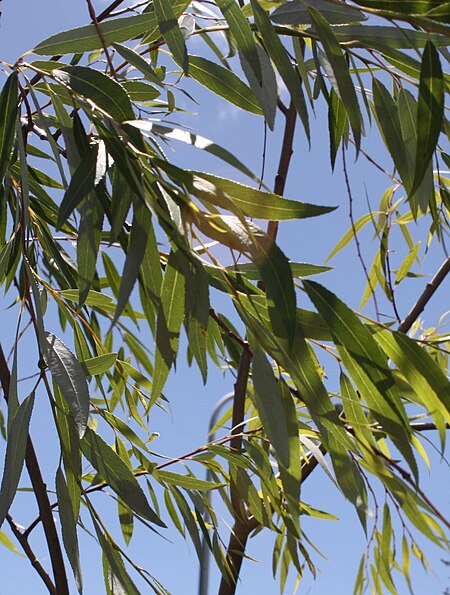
(95, 22)
(427, 294)
(22, 539)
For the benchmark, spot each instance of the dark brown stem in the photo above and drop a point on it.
(40, 492)
(244, 523)
(427, 294)
(21, 538)
(96, 24)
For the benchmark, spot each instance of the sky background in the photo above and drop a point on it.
(23, 24)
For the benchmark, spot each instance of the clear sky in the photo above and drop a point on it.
(23, 24)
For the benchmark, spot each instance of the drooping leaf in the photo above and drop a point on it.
(186, 481)
(15, 455)
(345, 86)
(138, 62)
(430, 111)
(170, 30)
(9, 102)
(367, 365)
(68, 527)
(197, 315)
(170, 318)
(117, 475)
(100, 364)
(243, 36)
(137, 245)
(88, 244)
(68, 374)
(280, 58)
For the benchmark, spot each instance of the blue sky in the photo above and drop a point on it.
(23, 24)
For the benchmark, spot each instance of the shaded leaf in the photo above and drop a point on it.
(9, 103)
(168, 25)
(68, 374)
(15, 455)
(117, 475)
(297, 13)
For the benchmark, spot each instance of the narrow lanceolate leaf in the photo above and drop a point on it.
(430, 111)
(141, 223)
(100, 364)
(168, 25)
(243, 36)
(197, 315)
(82, 182)
(68, 527)
(68, 374)
(241, 199)
(138, 62)
(337, 120)
(297, 13)
(223, 82)
(338, 63)
(277, 276)
(186, 481)
(367, 365)
(280, 58)
(386, 112)
(102, 90)
(117, 475)
(170, 318)
(86, 39)
(422, 372)
(268, 401)
(15, 455)
(88, 244)
(9, 102)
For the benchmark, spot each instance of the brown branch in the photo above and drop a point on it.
(22, 539)
(95, 22)
(40, 492)
(427, 294)
(244, 523)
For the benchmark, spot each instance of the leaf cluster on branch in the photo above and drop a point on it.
(136, 256)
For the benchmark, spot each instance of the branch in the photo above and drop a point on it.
(244, 524)
(40, 492)
(427, 294)
(22, 539)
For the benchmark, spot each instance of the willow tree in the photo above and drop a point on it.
(103, 233)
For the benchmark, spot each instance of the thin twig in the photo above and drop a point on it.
(96, 24)
(427, 294)
(22, 539)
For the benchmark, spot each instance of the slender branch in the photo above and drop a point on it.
(40, 492)
(244, 523)
(427, 294)
(96, 24)
(22, 539)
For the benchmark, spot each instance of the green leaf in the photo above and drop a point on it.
(117, 475)
(186, 481)
(268, 401)
(170, 30)
(239, 198)
(367, 365)
(337, 120)
(5, 540)
(102, 90)
(15, 455)
(142, 222)
(280, 58)
(298, 269)
(88, 244)
(277, 277)
(243, 36)
(68, 374)
(93, 298)
(297, 13)
(9, 103)
(341, 72)
(197, 315)
(223, 82)
(97, 366)
(138, 62)
(68, 527)
(170, 318)
(350, 234)
(86, 38)
(430, 111)
(81, 183)
(387, 38)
